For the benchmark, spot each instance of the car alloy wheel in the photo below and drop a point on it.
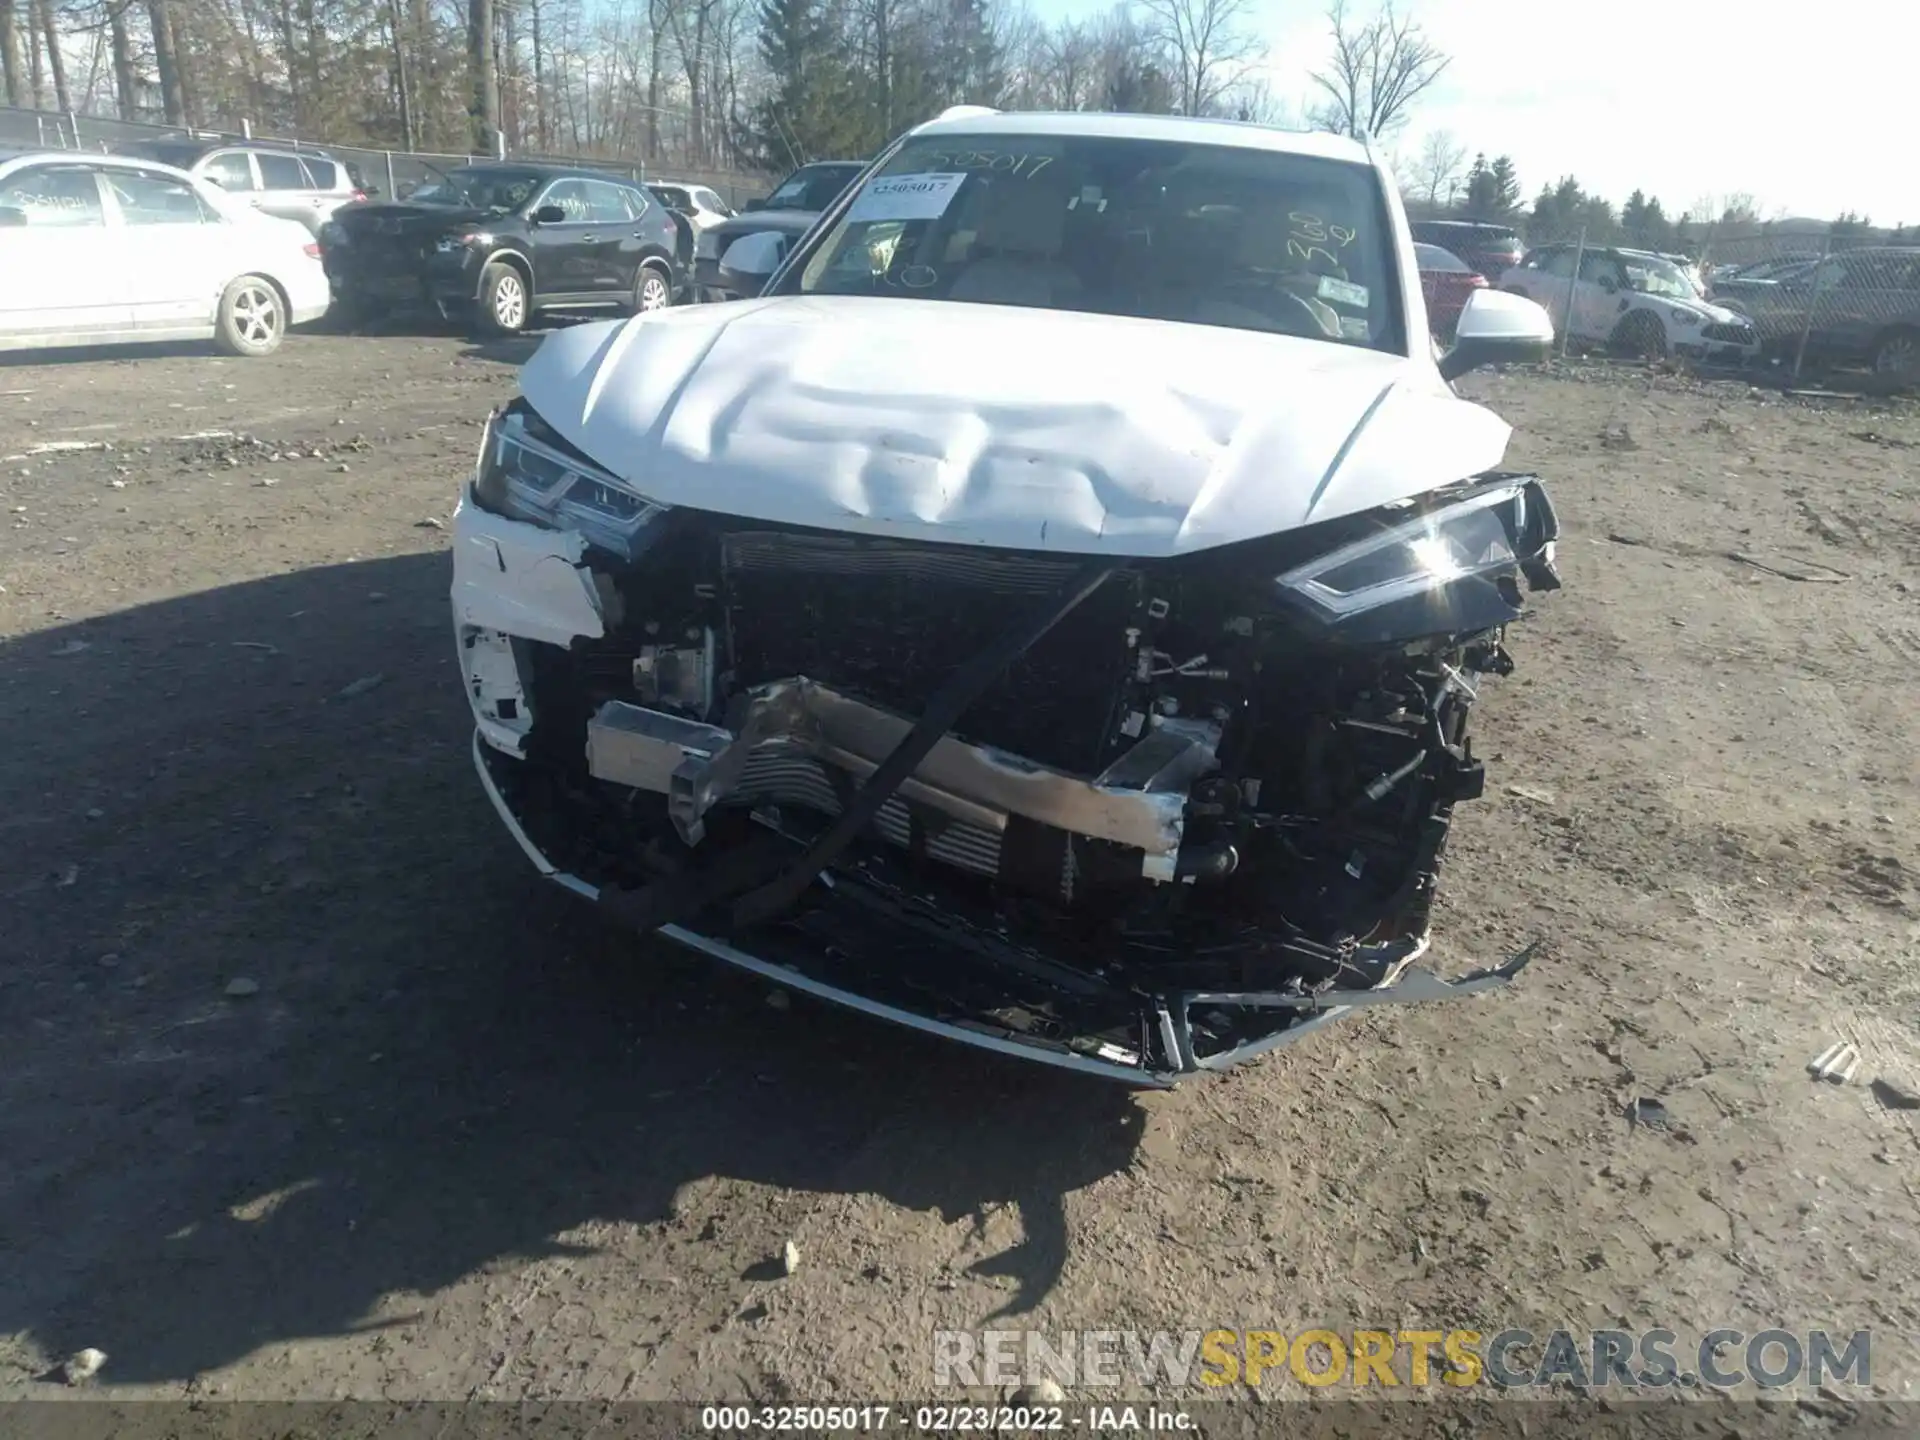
(256, 314)
(654, 294)
(1896, 356)
(510, 302)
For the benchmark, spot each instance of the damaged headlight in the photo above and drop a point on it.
(524, 473)
(1485, 533)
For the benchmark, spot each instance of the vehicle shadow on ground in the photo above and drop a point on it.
(80, 354)
(445, 1064)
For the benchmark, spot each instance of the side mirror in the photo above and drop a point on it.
(759, 204)
(1498, 328)
(550, 215)
(1609, 284)
(12, 215)
(750, 261)
(405, 188)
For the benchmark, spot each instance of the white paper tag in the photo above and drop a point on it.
(906, 197)
(1342, 292)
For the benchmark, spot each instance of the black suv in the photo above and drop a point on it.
(796, 202)
(498, 243)
(1488, 248)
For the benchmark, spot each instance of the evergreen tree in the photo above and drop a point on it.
(811, 111)
(1493, 191)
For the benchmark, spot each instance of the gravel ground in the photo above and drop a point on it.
(311, 1090)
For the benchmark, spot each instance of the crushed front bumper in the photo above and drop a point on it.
(518, 588)
(1165, 1052)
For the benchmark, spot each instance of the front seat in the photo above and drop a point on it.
(1017, 249)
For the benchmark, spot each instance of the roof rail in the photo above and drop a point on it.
(965, 112)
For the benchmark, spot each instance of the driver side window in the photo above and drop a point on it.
(570, 196)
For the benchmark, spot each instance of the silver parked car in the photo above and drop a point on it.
(303, 185)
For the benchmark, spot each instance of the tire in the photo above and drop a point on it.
(653, 291)
(505, 306)
(1639, 335)
(1896, 356)
(252, 319)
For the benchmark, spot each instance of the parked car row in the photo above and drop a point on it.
(98, 249)
(258, 238)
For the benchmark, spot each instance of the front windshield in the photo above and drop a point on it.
(1651, 276)
(813, 188)
(480, 189)
(1205, 234)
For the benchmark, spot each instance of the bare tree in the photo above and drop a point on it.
(1253, 100)
(1209, 45)
(13, 63)
(1442, 161)
(56, 61)
(1378, 69)
(484, 111)
(166, 60)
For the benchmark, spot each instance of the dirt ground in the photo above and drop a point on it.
(460, 1142)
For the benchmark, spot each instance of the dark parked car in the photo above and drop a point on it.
(498, 243)
(1865, 307)
(1487, 248)
(796, 202)
(1445, 281)
(304, 185)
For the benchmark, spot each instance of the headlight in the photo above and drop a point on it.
(448, 244)
(1685, 317)
(1472, 537)
(528, 477)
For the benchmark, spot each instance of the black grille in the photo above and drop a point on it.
(890, 622)
(1727, 334)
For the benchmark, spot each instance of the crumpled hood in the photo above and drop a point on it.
(1002, 426)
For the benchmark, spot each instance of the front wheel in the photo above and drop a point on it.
(251, 319)
(1897, 357)
(652, 293)
(503, 301)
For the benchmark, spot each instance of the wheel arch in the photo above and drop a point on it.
(516, 260)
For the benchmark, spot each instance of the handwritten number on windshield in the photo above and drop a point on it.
(1308, 235)
(1023, 167)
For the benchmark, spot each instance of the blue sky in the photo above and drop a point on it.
(1799, 106)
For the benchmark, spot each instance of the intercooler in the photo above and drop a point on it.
(800, 780)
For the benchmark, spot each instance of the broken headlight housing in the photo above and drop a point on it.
(1499, 529)
(527, 472)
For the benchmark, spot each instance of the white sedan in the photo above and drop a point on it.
(98, 249)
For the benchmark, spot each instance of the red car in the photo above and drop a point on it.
(1446, 281)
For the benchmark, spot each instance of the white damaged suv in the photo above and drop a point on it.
(1045, 617)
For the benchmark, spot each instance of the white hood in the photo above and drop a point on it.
(1002, 426)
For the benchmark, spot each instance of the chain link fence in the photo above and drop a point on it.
(386, 172)
(1838, 304)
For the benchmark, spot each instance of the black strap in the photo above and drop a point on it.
(940, 716)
